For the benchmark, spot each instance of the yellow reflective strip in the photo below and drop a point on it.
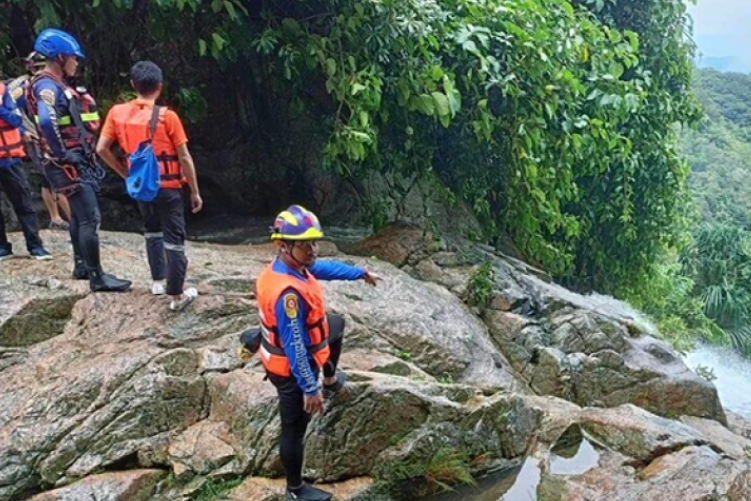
(60, 121)
(85, 117)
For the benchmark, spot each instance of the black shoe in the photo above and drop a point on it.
(80, 272)
(102, 282)
(5, 254)
(330, 390)
(307, 493)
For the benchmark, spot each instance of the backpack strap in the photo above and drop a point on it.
(84, 136)
(154, 121)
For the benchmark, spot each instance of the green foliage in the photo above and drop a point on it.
(193, 105)
(480, 288)
(719, 151)
(555, 124)
(448, 467)
(719, 262)
(552, 119)
(216, 488)
(703, 293)
(404, 355)
(668, 295)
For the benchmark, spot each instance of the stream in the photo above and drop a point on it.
(733, 382)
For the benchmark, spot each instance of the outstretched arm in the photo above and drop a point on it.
(336, 270)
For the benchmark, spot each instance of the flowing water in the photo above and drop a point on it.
(732, 372)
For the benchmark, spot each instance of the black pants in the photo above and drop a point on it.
(164, 230)
(291, 408)
(85, 217)
(16, 187)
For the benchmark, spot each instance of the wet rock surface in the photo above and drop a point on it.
(589, 349)
(114, 397)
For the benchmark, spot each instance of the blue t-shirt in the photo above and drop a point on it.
(291, 317)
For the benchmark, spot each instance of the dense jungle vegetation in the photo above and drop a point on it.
(714, 268)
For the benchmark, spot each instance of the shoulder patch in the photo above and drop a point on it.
(48, 96)
(291, 306)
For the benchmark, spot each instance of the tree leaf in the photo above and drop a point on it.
(218, 41)
(441, 104)
(230, 10)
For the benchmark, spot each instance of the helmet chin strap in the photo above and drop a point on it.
(288, 250)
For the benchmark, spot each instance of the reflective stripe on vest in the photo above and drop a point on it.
(67, 120)
(11, 143)
(269, 288)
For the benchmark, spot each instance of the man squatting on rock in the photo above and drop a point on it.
(298, 338)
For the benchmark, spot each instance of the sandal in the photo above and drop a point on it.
(62, 226)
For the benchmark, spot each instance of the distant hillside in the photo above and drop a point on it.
(727, 63)
(719, 153)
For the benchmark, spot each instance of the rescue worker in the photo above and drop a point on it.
(13, 180)
(129, 125)
(54, 202)
(299, 340)
(66, 122)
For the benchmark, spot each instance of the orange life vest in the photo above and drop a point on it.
(132, 121)
(11, 144)
(269, 287)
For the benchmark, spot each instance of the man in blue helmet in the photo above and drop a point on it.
(67, 120)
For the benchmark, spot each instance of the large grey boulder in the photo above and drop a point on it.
(589, 349)
(118, 382)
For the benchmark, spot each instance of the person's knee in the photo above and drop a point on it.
(336, 327)
(90, 219)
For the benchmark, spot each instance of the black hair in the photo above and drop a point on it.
(146, 77)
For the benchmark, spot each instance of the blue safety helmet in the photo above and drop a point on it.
(52, 43)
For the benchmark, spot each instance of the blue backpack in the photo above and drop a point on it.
(143, 177)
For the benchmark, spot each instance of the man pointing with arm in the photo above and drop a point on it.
(299, 339)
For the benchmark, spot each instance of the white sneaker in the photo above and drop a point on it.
(158, 289)
(189, 295)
